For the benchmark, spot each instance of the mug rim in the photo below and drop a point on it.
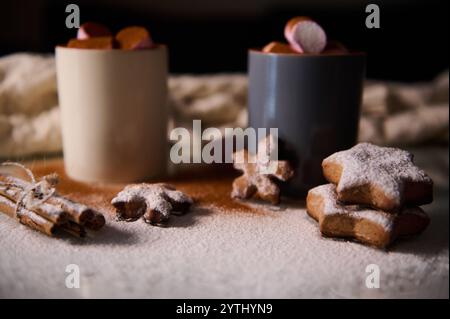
(306, 55)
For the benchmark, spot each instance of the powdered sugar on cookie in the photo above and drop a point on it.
(154, 202)
(333, 207)
(385, 167)
(370, 226)
(260, 172)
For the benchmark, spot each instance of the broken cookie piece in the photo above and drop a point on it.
(369, 226)
(153, 202)
(260, 174)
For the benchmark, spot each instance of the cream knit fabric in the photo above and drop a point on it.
(392, 113)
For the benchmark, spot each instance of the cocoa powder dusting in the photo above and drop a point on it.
(209, 186)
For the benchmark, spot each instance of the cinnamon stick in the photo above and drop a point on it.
(96, 222)
(75, 212)
(50, 212)
(69, 215)
(27, 217)
(33, 220)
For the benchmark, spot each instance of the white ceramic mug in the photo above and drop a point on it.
(114, 113)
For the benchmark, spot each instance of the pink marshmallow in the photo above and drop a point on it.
(92, 30)
(305, 36)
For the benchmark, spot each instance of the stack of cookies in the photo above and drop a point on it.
(374, 195)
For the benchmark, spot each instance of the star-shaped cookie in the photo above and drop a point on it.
(153, 202)
(260, 173)
(370, 226)
(383, 177)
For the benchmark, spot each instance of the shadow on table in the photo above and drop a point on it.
(110, 234)
(189, 219)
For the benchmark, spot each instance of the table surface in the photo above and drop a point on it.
(223, 250)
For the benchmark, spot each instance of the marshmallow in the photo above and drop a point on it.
(335, 47)
(278, 47)
(305, 36)
(134, 38)
(90, 30)
(92, 43)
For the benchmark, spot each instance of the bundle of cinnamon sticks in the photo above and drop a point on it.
(47, 212)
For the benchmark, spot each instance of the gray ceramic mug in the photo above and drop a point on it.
(313, 100)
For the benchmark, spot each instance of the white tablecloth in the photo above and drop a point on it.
(213, 254)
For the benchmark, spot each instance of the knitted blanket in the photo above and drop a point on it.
(392, 113)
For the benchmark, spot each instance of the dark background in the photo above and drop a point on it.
(206, 36)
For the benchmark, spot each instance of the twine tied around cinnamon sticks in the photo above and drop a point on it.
(38, 205)
(35, 193)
